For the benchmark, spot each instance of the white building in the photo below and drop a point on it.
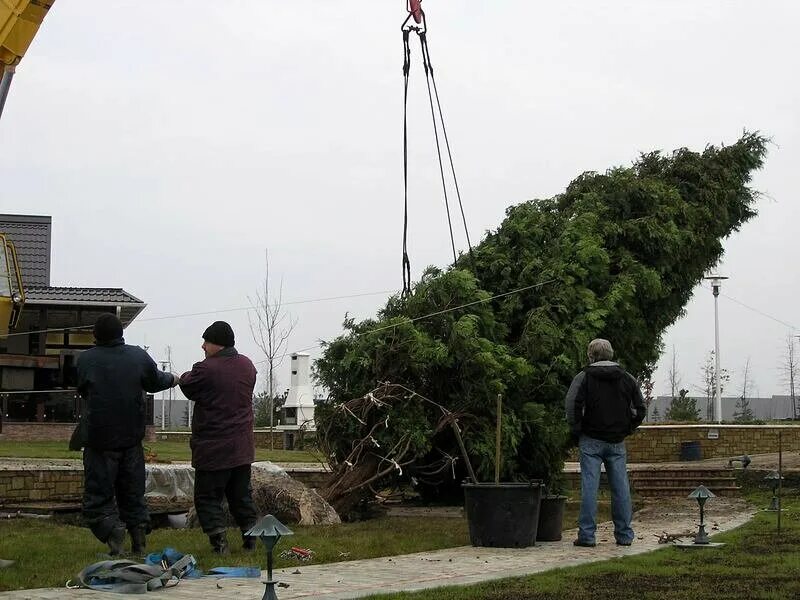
(298, 410)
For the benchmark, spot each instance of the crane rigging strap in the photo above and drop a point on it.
(418, 16)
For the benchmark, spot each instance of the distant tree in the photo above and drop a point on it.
(647, 389)
(744, 413)
(265, 410)
(656, 416)
(271, 327)
(673, 376)
(789, 373)
(709, 374)
(683, 408)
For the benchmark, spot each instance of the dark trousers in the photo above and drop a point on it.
(210, 487)
(113, 493)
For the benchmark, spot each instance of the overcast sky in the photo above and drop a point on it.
(174, 141)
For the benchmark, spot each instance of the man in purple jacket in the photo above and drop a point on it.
(222, 442)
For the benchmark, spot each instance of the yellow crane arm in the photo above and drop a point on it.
(19, 22)
(12, 291)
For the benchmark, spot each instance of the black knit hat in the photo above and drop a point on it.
(107, 328)
(220, 333)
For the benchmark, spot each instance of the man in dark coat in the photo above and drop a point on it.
(112, 380)
(604, 405)
(222, 442)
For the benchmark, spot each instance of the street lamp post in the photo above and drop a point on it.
(716, 284)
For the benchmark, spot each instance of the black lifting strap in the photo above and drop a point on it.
(426, 55)
(428, 75)
(406, 70)
(433, 92)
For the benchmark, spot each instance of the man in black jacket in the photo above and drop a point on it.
(112, 380)
(604, 405)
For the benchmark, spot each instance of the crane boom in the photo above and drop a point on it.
(19, 22)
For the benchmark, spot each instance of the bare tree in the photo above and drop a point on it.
(743, 412)
(789, 371)
(709, 373)
(673, 376)
(271, 327)
(674, 380)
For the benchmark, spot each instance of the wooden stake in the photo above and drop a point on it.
(498, 439)
(464, 455)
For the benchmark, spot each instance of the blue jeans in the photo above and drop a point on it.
(593, 453)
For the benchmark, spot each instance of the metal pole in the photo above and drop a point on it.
(163, 398)
(498, 439)
(717, 392)
(791, 382)
(5, 85)
(780, 475)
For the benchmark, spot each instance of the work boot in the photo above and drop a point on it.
(219, 543)
(138, 540)
(116, 541)
(248, 542)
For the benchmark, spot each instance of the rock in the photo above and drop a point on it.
(275, 493)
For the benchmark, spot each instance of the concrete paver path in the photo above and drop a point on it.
(454, 566)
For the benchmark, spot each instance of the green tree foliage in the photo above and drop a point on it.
(683, 408)
(616, 255)
(743, 414)
(262, 408)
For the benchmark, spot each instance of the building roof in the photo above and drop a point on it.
(82, 295)
(31, 237)
(61, 301)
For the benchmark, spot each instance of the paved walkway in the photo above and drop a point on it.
(455, 566)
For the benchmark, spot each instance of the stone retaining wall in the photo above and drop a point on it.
(261, 438)
(54, 483)
(45, 432)
(662, 443)
(51, 485)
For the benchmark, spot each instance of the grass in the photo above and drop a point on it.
(48, 553)
(757, 563)
(165, 451)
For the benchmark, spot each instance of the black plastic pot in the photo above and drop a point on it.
(691, 451)
(504, 515)
(551, 518)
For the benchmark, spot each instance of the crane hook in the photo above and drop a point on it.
(415, 8)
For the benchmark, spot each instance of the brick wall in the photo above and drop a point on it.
(37, 432)
(46, 432)
(261, 437)
(662, 443)
(62, 485)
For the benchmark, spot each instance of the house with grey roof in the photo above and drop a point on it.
(38, 358)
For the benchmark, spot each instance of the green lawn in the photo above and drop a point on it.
(165, 451)
(756, 563)
(48, 553)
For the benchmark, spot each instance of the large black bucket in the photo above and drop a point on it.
(504, 515)
(551, 518)
(691, 451)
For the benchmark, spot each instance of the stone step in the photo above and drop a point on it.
(664, 491)
(706, 481)
(682, 473)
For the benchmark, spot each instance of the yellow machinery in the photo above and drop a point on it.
(19, 22)
(12, 294)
